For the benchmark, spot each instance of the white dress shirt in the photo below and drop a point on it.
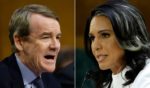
(119, 79)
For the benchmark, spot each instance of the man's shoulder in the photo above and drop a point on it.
(5, 65)
(10, 74)
(5, 76)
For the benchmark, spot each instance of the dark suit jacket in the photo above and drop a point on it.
(10, 75)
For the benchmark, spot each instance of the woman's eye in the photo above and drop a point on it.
(91, 38)
(105, 35)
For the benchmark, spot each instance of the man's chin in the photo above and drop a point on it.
(50, 69)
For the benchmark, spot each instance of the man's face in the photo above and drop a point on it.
(40, 50)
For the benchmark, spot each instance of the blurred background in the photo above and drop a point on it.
(83, 9)
(63, 8)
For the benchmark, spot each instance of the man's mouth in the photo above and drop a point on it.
(49, 56)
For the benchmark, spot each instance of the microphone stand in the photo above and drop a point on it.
(89, 75)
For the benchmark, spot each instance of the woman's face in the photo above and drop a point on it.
(104, 44)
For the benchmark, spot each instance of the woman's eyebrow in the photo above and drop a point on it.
(104, 30)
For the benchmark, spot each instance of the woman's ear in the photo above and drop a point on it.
(18, 42)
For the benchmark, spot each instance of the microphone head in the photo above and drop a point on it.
(91, 74)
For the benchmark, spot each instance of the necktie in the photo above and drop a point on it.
(38, 83)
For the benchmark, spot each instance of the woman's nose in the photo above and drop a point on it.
(97, 44)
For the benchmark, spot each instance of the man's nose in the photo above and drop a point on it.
(55, 44)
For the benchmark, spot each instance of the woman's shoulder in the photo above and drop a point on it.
(146, 69)
(143, 78)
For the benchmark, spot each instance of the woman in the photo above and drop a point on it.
(116, 38)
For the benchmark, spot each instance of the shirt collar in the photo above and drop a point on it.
(27, 74)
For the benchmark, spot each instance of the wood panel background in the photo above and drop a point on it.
(63, 8)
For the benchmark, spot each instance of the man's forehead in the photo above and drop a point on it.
(45, 24)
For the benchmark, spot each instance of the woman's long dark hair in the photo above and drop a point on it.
(131, 32)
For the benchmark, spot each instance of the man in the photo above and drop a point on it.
(34, 33)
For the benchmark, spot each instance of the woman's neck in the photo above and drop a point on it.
(117, 69)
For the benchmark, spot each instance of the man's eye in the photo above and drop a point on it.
(58, 37)
(105, 35)
(45, 37)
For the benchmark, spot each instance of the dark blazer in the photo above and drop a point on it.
(10, 75)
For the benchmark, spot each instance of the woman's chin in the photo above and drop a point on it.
(103, 67)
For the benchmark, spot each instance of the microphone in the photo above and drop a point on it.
(89, 75)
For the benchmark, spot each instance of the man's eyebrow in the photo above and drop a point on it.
(49, 33)
(46, 33)
(59, 34)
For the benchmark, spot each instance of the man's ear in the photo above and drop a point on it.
(18, 42)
